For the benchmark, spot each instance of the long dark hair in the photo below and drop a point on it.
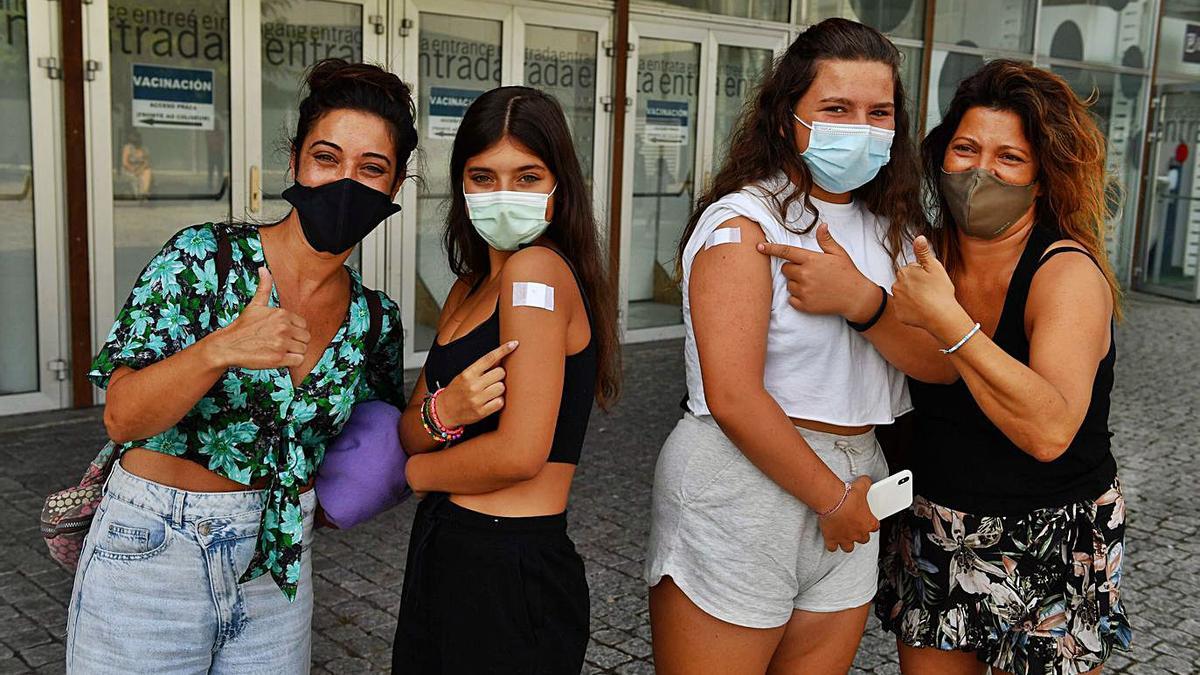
(764, 142)
(1070, 149)
(536, 120)
(336, 84)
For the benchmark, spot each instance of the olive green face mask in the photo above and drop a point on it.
(982, 205)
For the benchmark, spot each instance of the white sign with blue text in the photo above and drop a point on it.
(666, 123)
(447, 106)
(166, 97)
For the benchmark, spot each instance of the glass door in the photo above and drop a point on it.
(189, 106)
(166, 133)
(1171, 249)
(453, 53)
(687, 89)
(31, 297)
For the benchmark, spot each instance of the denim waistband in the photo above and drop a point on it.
(182, 506)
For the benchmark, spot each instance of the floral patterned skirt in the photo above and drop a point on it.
(1033, 594)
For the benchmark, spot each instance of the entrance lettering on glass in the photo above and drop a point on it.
(667, 77)
(554, 68)
(462, 60)
(168, 33)
(291, 45)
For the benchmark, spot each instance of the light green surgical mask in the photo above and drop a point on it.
(507, 220)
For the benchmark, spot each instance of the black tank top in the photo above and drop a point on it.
(963, 461)
(445, 362)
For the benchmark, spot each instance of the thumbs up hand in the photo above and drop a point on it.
(827, 282)
(923, 295)
(262, 336)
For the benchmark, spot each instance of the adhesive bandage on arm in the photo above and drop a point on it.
(723, 235)
(533, 294)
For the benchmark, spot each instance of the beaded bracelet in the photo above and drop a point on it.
(433, 426)
(845, 493)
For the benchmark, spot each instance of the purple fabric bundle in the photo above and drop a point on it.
(362, 474)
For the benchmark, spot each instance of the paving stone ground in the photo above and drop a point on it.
(358, 573)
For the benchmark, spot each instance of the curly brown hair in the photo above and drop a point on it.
(1070, 149)
(764, 142)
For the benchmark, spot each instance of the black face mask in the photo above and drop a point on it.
(336, 216)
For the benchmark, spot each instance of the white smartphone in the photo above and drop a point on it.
(891, 495)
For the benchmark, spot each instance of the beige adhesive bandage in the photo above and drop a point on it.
(533, 294)
(724, 235)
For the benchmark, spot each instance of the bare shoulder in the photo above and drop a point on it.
(535, 263)
(1070, 280)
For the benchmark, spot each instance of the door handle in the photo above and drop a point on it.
(255, 189)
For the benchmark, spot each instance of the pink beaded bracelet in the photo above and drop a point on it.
(845, 493)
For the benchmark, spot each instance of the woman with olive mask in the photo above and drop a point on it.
(1010, 558)
(493, 584)
(223, 393)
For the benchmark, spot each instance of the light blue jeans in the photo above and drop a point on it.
(157, 587)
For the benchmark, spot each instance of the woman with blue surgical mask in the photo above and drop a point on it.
(493, 583)
(763, 553)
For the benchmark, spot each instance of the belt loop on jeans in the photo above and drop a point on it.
(178, 503)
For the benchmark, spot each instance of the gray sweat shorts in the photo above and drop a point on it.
(740, 547)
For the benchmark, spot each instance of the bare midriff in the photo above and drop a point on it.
(835, 429)
(543, 495)
(184, 474)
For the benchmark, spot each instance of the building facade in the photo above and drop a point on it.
(125, 120)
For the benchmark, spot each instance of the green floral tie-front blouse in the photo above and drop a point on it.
(252, 423)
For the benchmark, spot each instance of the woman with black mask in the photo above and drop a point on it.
(236, 359)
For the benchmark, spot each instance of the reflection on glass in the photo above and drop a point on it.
(1109, 33)
(1118, 111)
(295, 35)
(898, 18)
(170, 124)
(990, 24)
(18, 277)
(664, 185)
(1172, 249)
(1178, 43)
(767, 10)
(459, 59)
(562, 62)
(946, 71)
(738, 73)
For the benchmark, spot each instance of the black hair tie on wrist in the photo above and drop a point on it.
(864, 327)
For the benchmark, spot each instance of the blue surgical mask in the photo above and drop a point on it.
(507, 220)
(845, 157)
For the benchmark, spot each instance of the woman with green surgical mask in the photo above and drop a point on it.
(493, 583)
(1011, 555)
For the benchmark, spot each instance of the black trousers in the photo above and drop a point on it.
(484, 594)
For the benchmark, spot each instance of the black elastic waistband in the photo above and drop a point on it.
(443, 508)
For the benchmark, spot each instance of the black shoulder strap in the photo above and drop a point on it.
(1067, 249)
(375, 307)
(224, 256)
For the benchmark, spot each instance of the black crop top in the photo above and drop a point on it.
(445, 362)
(961, 460)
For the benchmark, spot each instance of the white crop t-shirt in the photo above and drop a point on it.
(817, 367)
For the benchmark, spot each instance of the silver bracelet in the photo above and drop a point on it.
(970, 334)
